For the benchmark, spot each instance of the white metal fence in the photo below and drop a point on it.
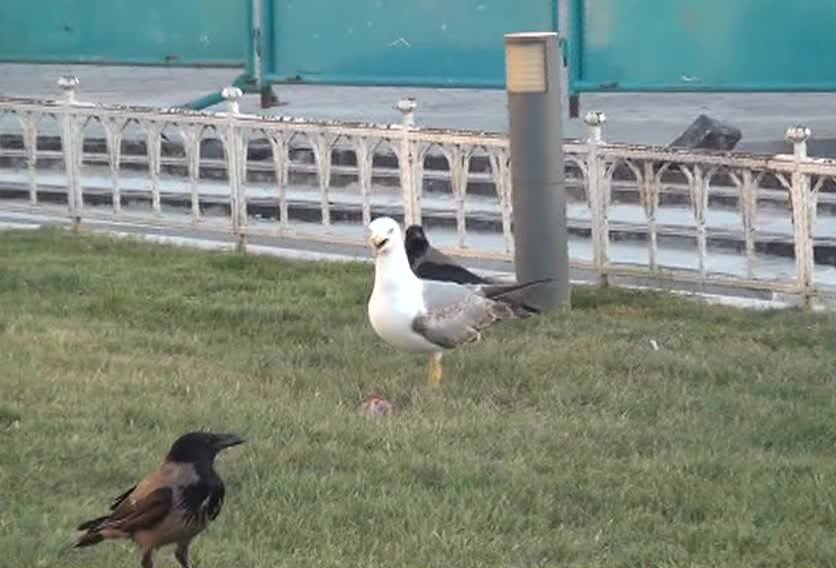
(744, 222)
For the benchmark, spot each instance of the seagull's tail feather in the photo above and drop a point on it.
(517, 296)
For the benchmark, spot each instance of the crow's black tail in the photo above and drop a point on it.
(92, 524)
(517, 296)
(89, 539)
(92, 536)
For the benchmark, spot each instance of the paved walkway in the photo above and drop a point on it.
(636, 118)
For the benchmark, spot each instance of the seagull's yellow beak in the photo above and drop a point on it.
(377, 242)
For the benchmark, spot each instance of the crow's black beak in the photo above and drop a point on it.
(227, 441)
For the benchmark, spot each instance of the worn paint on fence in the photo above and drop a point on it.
(189, 162)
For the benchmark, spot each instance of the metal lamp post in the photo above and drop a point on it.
(537, 167)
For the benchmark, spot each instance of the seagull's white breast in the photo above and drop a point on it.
(397, 299)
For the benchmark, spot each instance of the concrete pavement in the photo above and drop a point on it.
(635, 118)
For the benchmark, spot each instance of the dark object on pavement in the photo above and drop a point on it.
(706, 133)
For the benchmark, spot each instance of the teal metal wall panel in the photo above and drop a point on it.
(712, 45)
(614, 45)
(158, 32)
(427, 42)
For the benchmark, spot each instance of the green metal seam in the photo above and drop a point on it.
(622, 87)
(88, 60)
(575, 42)
(243, 82)
(248, 38)
(384, 80)
(269, 38)
(555, 15)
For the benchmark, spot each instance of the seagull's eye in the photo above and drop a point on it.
(390, 231)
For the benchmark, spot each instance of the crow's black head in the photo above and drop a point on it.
(415, 242)
(197, 447)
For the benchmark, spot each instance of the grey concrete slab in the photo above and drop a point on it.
(637, 118)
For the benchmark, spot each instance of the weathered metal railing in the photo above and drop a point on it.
(744, 222)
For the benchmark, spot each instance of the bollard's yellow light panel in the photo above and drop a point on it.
(525, 67)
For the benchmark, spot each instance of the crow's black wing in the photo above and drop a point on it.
(447, 273)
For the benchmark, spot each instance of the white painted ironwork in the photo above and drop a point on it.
(593, 171)
(253, 175)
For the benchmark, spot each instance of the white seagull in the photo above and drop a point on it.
(428, 316)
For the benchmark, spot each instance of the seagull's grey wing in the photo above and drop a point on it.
(456, 314)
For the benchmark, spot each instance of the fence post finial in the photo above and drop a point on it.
(72, 143)
(232, 95)
(68, 84)
(799, 135)
(236, 163)
(408, 163)
(598, 195)
(803, 212)
(595, 120)
(407, 108)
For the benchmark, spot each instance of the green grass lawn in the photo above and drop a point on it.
(564, 440)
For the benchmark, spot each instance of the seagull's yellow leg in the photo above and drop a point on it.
(436, 371)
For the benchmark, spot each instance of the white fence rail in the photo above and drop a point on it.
(743, 222)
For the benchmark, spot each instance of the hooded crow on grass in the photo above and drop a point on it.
(170, 505)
